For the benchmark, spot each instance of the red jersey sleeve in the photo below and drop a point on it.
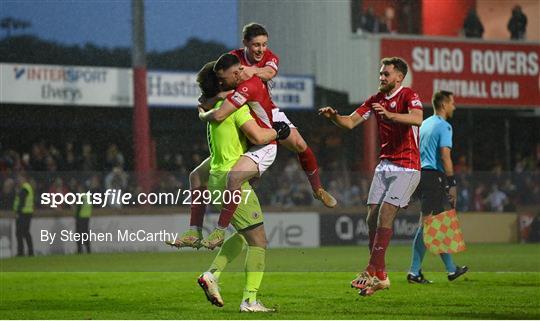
(271, 60)
(243, 93)
(365, 110)
(412, 101)
(237, 53)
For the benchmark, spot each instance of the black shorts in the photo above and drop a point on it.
(433, 193)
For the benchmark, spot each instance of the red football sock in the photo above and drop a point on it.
(311, 168)
(197, 210)
(228, 209)
(371, 239)
(382, 239)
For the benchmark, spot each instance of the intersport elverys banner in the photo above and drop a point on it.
(113, 87)
(479, 74)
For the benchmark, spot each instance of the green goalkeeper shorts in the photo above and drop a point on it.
(248, 213)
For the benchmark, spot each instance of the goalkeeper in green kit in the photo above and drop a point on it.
(227, 142)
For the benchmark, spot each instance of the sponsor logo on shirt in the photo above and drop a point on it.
(416, 103)
(238, 98)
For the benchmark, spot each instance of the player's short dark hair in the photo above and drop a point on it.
(252, 30)
(440, 97)
(226, 61)
(399, 63)
(207, 80)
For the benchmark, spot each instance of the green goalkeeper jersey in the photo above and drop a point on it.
(226, 141)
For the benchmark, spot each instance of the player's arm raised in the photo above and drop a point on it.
(346, 122)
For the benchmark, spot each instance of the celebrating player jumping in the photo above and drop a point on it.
(258, 60)
(398, 112)
(255, 59)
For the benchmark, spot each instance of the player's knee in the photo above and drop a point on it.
(386, 217)
(300, 145)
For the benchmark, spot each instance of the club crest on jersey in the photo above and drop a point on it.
(255, 215)
(393, 104)
(244, 89)
(238, 98)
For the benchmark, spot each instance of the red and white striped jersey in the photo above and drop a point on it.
(399, 142)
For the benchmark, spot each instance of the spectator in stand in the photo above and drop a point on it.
(370, 22)
(496, 199)
(37, 158)
(300, 195)
(114, 157)
(70, 160)
(88, 160)
(517, 25)
(50, 164)
(117, 180)
(472, 26)
(10, 161)
(8, 194)
(387, 21)
(58, 187)
(461, 166)
(352, 196)
(464, 196)
(282, 197)
(478, 200)
(94, 184)
(178, 164)
(165, 163)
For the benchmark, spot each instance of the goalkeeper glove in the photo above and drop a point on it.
(283, 130)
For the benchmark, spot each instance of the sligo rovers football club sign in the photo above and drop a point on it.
(479, 74)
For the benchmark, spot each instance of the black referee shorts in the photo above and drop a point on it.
(433, 193)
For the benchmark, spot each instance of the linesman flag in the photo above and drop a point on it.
(442, 233)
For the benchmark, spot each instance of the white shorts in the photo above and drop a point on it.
(280, 116)
(262, 155)
(393, 184)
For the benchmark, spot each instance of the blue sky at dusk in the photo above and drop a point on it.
(169, 23)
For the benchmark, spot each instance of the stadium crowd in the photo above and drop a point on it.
(56, 169)
(370, 21)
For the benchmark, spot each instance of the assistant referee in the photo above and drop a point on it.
(437, 183)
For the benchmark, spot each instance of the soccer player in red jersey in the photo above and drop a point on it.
(253, 92)
(399, 114)
(257, 60)
(243, 90)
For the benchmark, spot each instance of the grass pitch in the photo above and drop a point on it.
(503, 283)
